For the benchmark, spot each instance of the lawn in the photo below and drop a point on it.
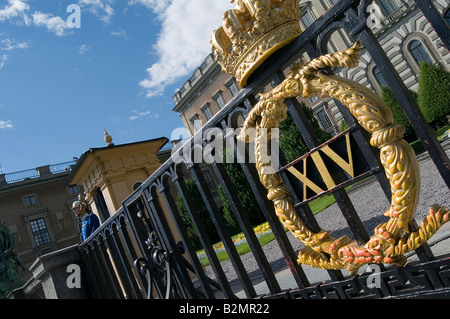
(263, 232)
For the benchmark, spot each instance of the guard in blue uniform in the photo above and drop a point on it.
(89, 221)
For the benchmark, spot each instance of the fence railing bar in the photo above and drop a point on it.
(170, 202)
(139, 214)
(167, 242)
(131, 256)
(246, 227)
(222, 231)
(92, 283)
(111, 279)
(109, 256)
(436, 20)
(276, 227)
(122, 267)
(205, 241)
(107, 288)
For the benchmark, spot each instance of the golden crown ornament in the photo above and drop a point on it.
(253, 31)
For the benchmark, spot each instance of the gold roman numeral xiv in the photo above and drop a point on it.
(323, 170)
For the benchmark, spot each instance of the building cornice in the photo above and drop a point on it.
(195, 92)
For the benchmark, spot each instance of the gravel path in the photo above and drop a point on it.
(370, 203)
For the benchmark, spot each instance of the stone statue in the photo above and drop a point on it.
(10, 263)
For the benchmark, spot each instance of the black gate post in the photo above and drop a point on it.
(219, 223)
(245, 225)
(180, 274)
(268, 211)
(436, 20)
(172, 207)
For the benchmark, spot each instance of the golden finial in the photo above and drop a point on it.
(108, 139)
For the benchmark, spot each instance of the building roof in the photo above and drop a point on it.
(111, 146)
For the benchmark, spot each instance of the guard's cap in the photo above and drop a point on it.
(76, 204)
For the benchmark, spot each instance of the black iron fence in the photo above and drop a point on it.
(144, 250)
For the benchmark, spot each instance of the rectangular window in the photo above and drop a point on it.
(207, 111)
(73, 189)
(192, 79)
(389, 6)
(203, 66)
(40, 232)
(196, 122)
(30, 200)
(307, 19)
(324, 119)
(209, 180)
(219, 100)
(314, 99)
(232, 88)
(211, 184)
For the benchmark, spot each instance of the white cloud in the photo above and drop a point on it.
(120, 33)
(157, 6)
(138, 115)
(3, 59)
(83, 49)
(100, 8)
(183, 42)
(52, 23)
(11, 44)
(13, 9)
(6, 124)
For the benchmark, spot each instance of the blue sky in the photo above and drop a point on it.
(61, 86)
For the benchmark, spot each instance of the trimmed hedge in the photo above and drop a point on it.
(397, 111)
(434, 94)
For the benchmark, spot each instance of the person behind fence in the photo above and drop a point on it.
(89, 221)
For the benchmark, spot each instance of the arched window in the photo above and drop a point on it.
(419, 52)
(136, 185)
(376, 73)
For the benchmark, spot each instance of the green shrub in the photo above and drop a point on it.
(291, 141)
(244, 193)
(201, 210)
(343, 126)
(434, 94)
(397, 111)
(442, 130)
(228, 214)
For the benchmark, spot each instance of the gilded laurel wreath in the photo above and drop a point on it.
(391, 240)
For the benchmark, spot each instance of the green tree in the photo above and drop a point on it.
(202, 212)
(434, 94)
(343, 126)
(228, 214)
(192, 234)
(245, 195)
(227, 211)
(291, 141)
(397, 111)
